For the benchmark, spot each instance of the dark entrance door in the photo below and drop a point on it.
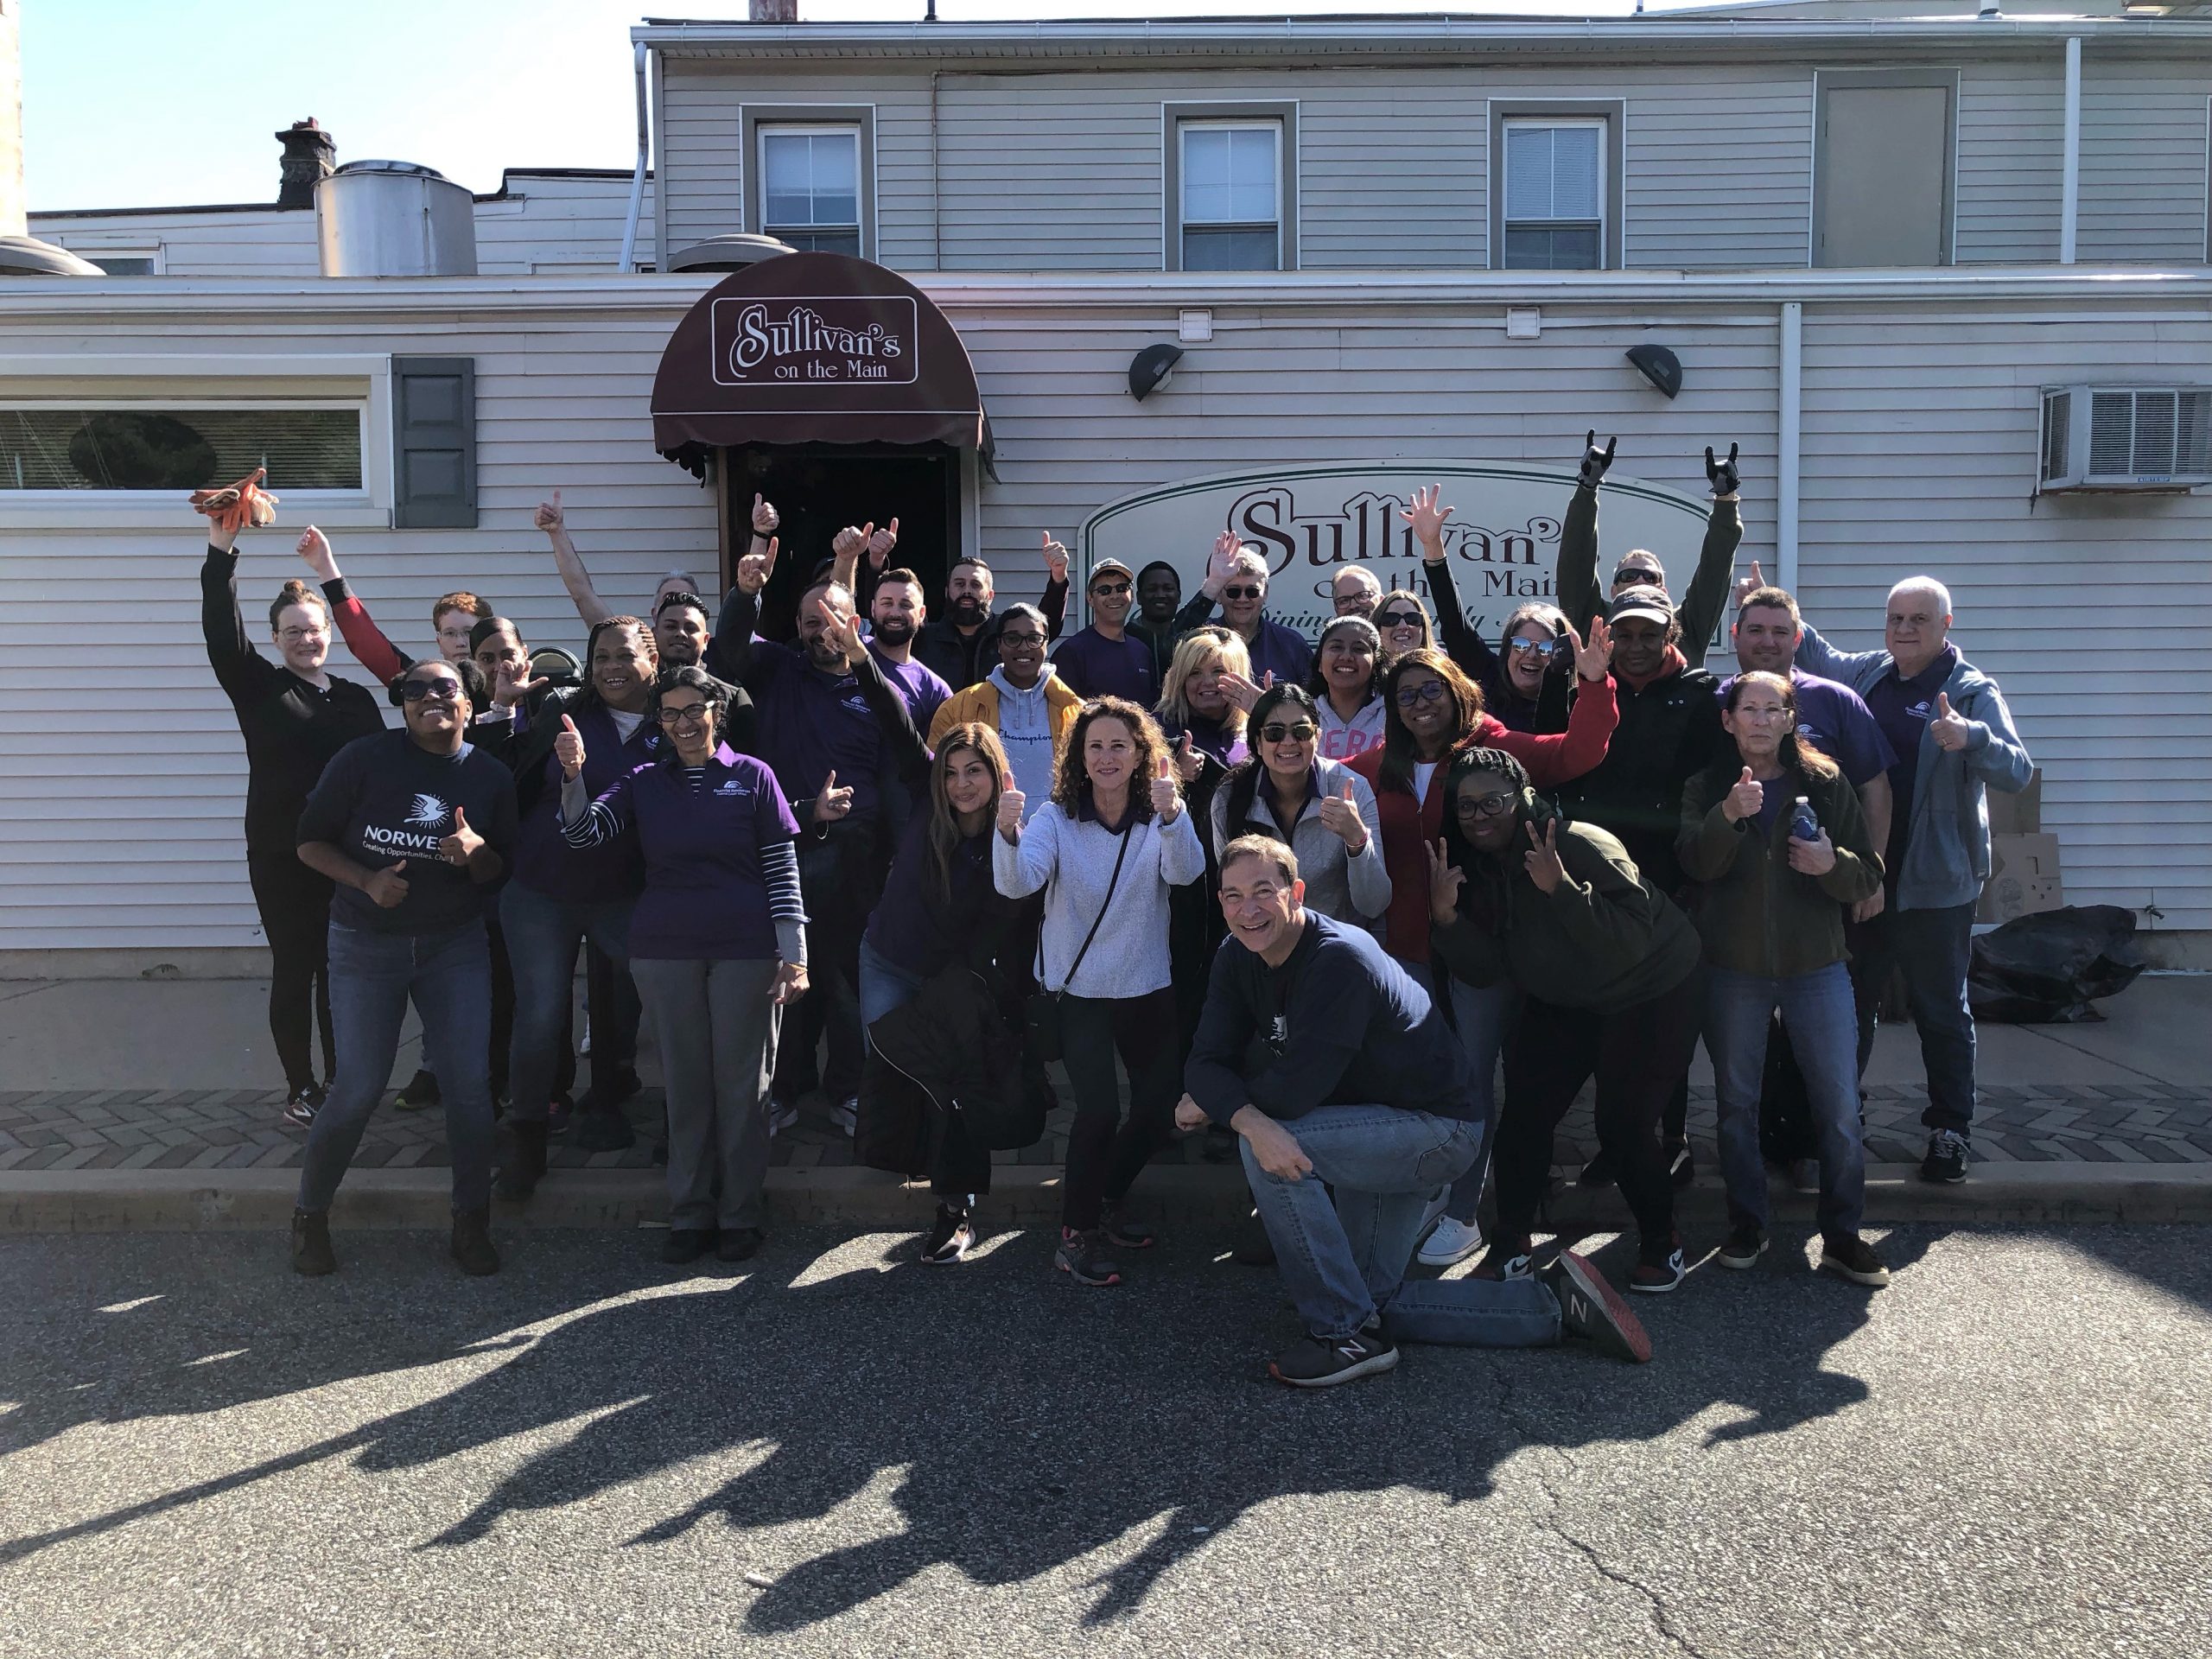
(819, 489)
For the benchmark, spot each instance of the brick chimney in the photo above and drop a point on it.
(309, 156)
(772, 11)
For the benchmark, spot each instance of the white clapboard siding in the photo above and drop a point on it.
(2143, 159)
(2011, 142)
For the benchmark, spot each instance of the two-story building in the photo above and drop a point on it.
(1943, 277)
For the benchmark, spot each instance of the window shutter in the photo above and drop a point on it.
(434, 442)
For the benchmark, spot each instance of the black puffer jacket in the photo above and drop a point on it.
(957, 1046)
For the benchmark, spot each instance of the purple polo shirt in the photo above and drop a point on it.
(812, 723)
(581, 875)
(1901, 709)
(704, 897)
(1835, 720)
(920, 687)
(1091, 665)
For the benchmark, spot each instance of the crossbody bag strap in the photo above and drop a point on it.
(1114, 881)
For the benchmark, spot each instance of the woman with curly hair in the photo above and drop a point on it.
(1107, 848)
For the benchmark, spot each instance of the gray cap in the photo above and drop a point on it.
(1650, 603)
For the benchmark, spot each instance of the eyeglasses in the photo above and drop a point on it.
(1398, 618)
(690, 714)
(1412, 696)
(293, 636)
(437, 690)
(1021, 641)
(1244, 593)
(1536, 647)
(1110, 590)
(1495, 805)
(1305, 732)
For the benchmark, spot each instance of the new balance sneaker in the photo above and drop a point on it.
(1745, 1245)
(1854, 1258)
(1947, 1157)
(952, 1236)
(1451, 1240)
(1593, 1310)
(300, 1109)
(1680, 1169)
(1656, 1275)
(1507, 1258)
(845, 1116)
(421, 1090)
(1123, 1233)
(1083, 1257)
(782, 1115)
(1323, 1362)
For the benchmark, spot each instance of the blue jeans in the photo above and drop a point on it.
(1932, 947)
(884, 986)
(1345, 1261)
(373, 975)
(542, 934)
(1481, 1014)
(1817, 1009)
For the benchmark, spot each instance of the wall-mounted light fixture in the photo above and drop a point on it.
(1152, 368)
(1658, 365)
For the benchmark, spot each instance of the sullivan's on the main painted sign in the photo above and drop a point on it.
(813, 340)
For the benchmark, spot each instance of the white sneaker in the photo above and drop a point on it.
(1452, 1241)
(1442, 1197)
(846, 1114)
(782, 1115)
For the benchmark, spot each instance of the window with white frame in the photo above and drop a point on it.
(124, 261)
(1231, 179)
(811, 186)
(130, 446)
(1555, 194)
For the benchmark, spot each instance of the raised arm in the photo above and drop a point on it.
(362, 636)
(1707, 601)
(1558, 757)
(733, 654)
(241, 670)
(1198, 609)
(903, 743)
(1054, 603)
(1461, 643)
(1576, 584)
(573, 577)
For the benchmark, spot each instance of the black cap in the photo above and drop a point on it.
(1650, 603)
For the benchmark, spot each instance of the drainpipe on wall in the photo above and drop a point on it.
(2070, 200)
(1788, 445)
(937, 195)
(637, 178)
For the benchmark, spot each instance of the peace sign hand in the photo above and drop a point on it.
(1592, 657)
(1594, 459)
(832, 802)
(844, 632)
(1444, 881)
(1722, 474)
(1427, 520)
(1542, 859)
(754, 569)
(1340, 818)
(1951, 731)
(1166, 798)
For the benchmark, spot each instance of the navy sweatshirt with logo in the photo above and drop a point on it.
(386, 800)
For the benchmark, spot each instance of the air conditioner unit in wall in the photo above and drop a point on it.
(2126, 438)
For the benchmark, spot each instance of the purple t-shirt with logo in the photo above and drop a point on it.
(920, 687)
(386, 800)
(705, 897)
(582, 875)
(1835, 720)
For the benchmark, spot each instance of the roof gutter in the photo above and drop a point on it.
(629, 262)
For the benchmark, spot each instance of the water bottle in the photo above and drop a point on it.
(1803, 826)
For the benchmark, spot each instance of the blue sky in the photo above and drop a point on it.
(147, 102)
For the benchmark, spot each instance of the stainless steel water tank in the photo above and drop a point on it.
(394, 219)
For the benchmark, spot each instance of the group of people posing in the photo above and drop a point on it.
(1309, 895)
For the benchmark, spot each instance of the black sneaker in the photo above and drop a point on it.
(1506, 1258)
(685, 1245)
(471, 1242)
(609, 1096)
(1657, 1277)
(1854, 1258)
(1745, 1245)
(952, 1237)
(1680, 1169)
(739, 1243)
(1593, 1310)
(421, 1090)
(1323, 1362)
(602, 1131)
(312, 1256)
(1123, 1233)
(300, 1109)
(1083, 1257)
(1947, 1157)
(526, 1165)
(1599, 1172)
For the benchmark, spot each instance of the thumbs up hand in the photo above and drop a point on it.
(1950, 731)
(1189, 763)
(569, 749)
(1747, 586)
(1744, 800)
(458, 848)
(765, 517)
(1166, 797)
(1012, 803)
(548, 516)
(833, 802)
(1340, 818)
(1056, 557)
(387, 886)
(879, 543)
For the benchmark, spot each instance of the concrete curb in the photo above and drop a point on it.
(171, 1201)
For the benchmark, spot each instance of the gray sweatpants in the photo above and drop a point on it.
(717, 1032)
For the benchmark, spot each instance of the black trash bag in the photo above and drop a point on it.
(2049, 968)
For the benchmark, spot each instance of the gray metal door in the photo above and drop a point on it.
(1882, 190)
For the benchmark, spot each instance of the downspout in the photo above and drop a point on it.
(1790, 444)
(637, 178)
(2070, 200)
(936, 198)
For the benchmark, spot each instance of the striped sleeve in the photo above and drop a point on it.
(780, 872)
(602, 821)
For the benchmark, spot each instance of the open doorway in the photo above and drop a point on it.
(819, 488)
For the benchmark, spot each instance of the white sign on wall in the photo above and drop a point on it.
(1311, 521)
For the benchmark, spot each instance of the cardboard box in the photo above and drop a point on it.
(2017, 815)
(2023, 877)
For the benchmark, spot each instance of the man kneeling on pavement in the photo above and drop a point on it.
(1332, 1066)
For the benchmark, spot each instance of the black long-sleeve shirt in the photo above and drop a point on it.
(961, 659)
(292, 729)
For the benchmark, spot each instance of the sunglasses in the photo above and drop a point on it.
(1243, 593)
(1412, 696)
(1536, 647)
(690, 714)
(1398, 620)
(1110, 590)
(1495, 805)
(1305, 732)
(437, 690)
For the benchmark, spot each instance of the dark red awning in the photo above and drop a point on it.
(816, 348)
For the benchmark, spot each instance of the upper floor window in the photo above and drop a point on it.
(811, 186)
(138, 262)
(1555, 194)
(1232, 187)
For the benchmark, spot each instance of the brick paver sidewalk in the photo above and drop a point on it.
(2106, 1123)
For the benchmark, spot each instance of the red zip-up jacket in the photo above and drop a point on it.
(1409, 827)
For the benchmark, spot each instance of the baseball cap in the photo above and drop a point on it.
(1650, 603)
(1106, 565)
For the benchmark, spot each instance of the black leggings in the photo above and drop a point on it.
(1106, 1152)
(294, 905)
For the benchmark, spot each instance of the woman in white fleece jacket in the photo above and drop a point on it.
(1114, 801)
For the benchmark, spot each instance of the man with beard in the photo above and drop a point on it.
(892, 600)
(962, 646)
(1106, 659)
